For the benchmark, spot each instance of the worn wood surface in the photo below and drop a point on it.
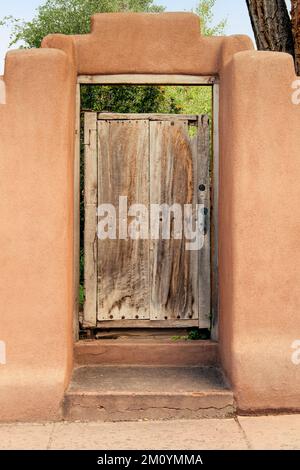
(90, 206)
(146, 79)
(173, 179)
(204, 279)
(149, 281)
(149, 324)
(123, 265)
(149, 117)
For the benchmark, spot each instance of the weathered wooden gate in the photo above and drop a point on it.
(135, 164)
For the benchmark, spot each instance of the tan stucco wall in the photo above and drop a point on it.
(259, 201)
(260, 230)
(166, 43)
(36, 268)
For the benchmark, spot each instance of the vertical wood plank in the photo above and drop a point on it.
(173, 179)
(90, 206)
(123, 265)
(204, 198)
(194, 255)
(76, 216)
(215, 216)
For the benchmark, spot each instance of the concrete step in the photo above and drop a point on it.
(114, 393)
(149, 351)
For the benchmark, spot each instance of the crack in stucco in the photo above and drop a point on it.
(128, 410)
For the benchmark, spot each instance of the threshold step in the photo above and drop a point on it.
(146, 351)
(103, 393)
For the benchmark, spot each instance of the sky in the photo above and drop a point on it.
(234, 10)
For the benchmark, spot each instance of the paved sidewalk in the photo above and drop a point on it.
(270, 432)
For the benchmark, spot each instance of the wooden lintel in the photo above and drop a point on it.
(146, 79)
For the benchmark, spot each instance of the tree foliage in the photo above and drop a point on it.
(196, 100)
(70, 17)
(205, 11)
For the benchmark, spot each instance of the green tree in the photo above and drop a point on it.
(69, 17)
(205, 10)
(196, 100)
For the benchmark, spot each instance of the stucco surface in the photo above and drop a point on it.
(166, 43)
(36, 235)
(259, 230)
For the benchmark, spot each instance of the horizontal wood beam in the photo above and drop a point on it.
(148, 79)
(148, 324)
(148, 117)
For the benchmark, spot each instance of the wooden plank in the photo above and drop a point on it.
(76, 216)
(194, 255)
(149, 117)
(140, 334)
(90, 205)
(123, 269)
(215, 216)
(124, 278)
(173, 179)
(204, 199)
(148, 324)
(146, 79)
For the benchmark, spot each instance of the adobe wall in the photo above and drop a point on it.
(36, 268)
(164, 43)
(259, 229)
(259, 199)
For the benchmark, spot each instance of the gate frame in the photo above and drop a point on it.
(166, 80)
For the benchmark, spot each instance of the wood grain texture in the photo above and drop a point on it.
(203, 143)
(123, 265)
(149, 117)
(166, 324)
(156, 281)
(90, 206)
(173, 180)
(146, 79)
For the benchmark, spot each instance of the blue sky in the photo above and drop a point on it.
(234, 10)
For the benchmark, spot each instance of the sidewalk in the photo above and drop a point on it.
(270, 432)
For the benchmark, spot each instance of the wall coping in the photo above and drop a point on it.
(144, 43)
